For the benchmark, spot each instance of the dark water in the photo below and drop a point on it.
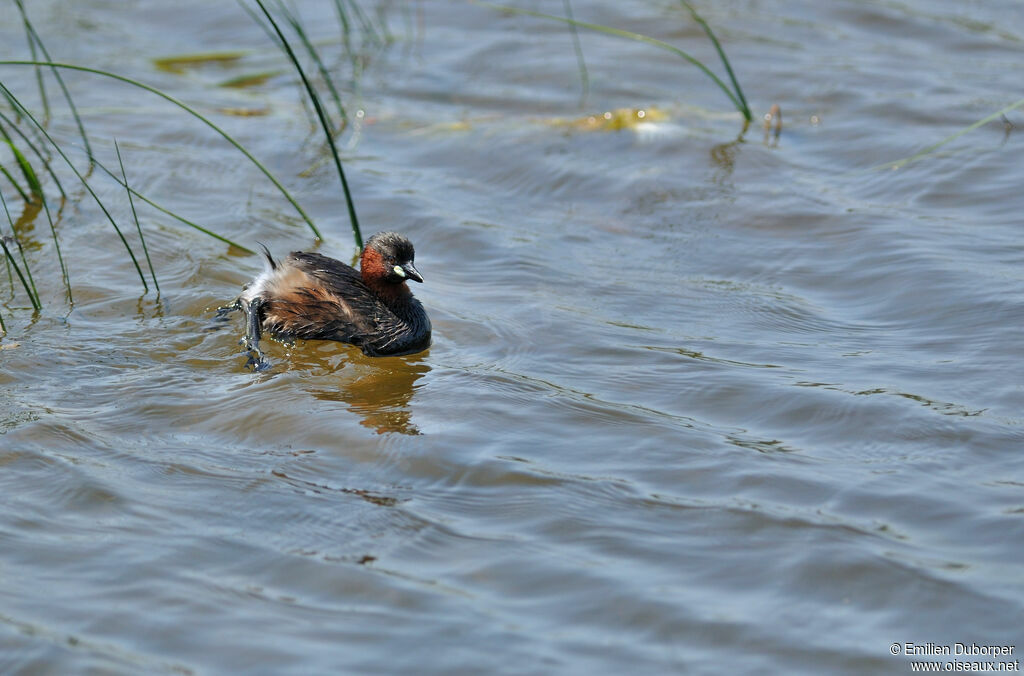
(696, 403)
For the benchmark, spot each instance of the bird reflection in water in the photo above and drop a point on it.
(379, 390)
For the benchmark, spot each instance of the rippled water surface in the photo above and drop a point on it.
(699, 400)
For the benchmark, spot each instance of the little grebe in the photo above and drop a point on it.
(318, 298)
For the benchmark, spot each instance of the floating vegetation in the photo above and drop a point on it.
(615, 120)
(178, 64)
(252, 80)
(244, 112)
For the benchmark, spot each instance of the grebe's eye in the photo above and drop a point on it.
(399, 271)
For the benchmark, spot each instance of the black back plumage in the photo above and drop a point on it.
(341, 306)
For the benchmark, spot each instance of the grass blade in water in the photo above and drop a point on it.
(324, 74)
(227, 137)
(721, 55)
(323, 122)
(365, 24)
(135, 217)
(41, 196)
(60, 256)
(85, 183)
(584, 76)
(32, 50)
(170, 213)
(32, 146)
(952, 137)
(7, 174)
(29, 284)
(60, 81)
(629, 35)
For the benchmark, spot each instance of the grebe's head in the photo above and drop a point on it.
(388, 257)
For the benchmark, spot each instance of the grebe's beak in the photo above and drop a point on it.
(409, 271)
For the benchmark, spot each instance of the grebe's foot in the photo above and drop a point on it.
(224, 311)
(257, 361)
(253, 332)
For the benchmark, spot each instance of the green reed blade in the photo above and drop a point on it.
(578, 47)
(273, 38)
(135, 217)
(60, 81)
(365, 24)
(29, 284)
(629, 35)
(21, 252)
(7, 174)
(88, 187)
(167, 97)
(42, 197)
(32, 50)
(170, 213)
(323, 123)
(17, 270)
(10, 274)
(3, 327)
(259, 22)
(26, 169)
(32, 146)
(346, 28)
(897, 164)
(384, 27)
(722, 56)
(60, 256)
(324, 74)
